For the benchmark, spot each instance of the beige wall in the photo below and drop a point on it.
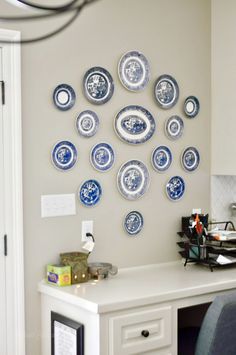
(175, 37)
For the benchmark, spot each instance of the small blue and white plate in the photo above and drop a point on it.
(190, 159)
(161, 158)
(87, 123)
(166, 91)
(64, 155)
(174, 127)
(98, 85)
(133, 222)
(90, 193)
(102, 156)
(175, 188)
(191, 106)
(64, 97)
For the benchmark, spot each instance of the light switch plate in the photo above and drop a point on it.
(58, 205)
(196, 211)
(87, 227)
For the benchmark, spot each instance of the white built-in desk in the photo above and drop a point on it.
(116, 310)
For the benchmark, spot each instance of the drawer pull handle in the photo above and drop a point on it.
(145, 333)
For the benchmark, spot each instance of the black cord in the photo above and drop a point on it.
(50, 8)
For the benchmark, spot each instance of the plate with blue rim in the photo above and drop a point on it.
(166, 91)
(191, 106)
(174, 127)
(64, 155)
(133, 179)
(161, 158)
(64, 97)
(175, 188)
(133, 222)
(134, 71)
(102, 156)
(134, 124)
(87, 123)
(90, 193)
(98, 85)
(190, 159)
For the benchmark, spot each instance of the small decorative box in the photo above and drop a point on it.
(59, 275)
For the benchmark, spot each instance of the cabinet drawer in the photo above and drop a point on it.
(139, 331)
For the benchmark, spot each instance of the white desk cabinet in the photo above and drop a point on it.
(136, 311)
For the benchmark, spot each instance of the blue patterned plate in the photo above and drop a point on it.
(90, 193)
(161, 158)
(98, 85)
(64, 97)
(175, 188)
(133, 222)
(191, 106)
(87, 123)
(64, 155)
(133, 179)
(166, 91)
(102, 156)
(190, 159)
(174, 127)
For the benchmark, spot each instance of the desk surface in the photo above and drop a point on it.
(144, 285)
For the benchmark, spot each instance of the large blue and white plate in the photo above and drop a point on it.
(191, 106)
(64, 155)
(133, 179)
(175, 188)
(174, 127)
(166, 91)
(134, 71)
(133, 222)
(161, 158)
(134, 124)
(98, 85)
(102, 156)
(64, 97)
(190, 159)
(87, 123)
(90, 193)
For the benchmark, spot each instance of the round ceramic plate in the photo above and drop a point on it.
(190, 159)
(161, 158)
(174, 127)
(134, 124)
(102, 156)
(134, 71)
(133, 222)
(133, 179)
(191, 106)
(64, 97)
(87, 123)
(98, 85)
(166, 91)
(175, 188)
(64, 155)
(90, 193)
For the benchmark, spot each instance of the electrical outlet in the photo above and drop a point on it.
(87, 227)
(196, 211)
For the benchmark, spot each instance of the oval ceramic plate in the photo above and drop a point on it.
(161, 158)
(166, 91)
(175, 188)
(134, 124)
(190, 159)
(133, 179)
(133, 222)
(90, 193)
(191, 106)
(102, 156)
(64, 97)
(134, 71)
(174, 127)
(64, 155)
(98, 85)
(87, 123)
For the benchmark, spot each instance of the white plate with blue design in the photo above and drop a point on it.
(166, 91)
(191, 106)
(102, 156)
(133, 223)
(64, 155)
(161, 158)
(64, 97)
(87, 123)
(190, 159)
(90, 193)
(174, 127)
(175, 188)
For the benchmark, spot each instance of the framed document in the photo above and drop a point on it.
(67, 336)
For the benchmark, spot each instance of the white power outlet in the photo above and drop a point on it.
(87, 227)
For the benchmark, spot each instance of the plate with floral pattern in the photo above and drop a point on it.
(87, 123)
(190, 159)
(102, 156)
(133, 222)
(64, 155)
(161, 158)
(166, 91)
(90, 193)
(175, 188)
(174, 127)
(64, 97)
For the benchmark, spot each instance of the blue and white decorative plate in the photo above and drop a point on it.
(64, 155)
(161, 158)
(134, 124)
(175, 188)
(102, 156)
(64, 97)
(90, 193)
(133, 179)
(191, 106)
(134, 71)
(98, 85)
(190, 159)
(133, 222)
(174, 127)
(87, 123)
(166, 91)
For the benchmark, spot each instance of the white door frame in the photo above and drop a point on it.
(12, 137)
